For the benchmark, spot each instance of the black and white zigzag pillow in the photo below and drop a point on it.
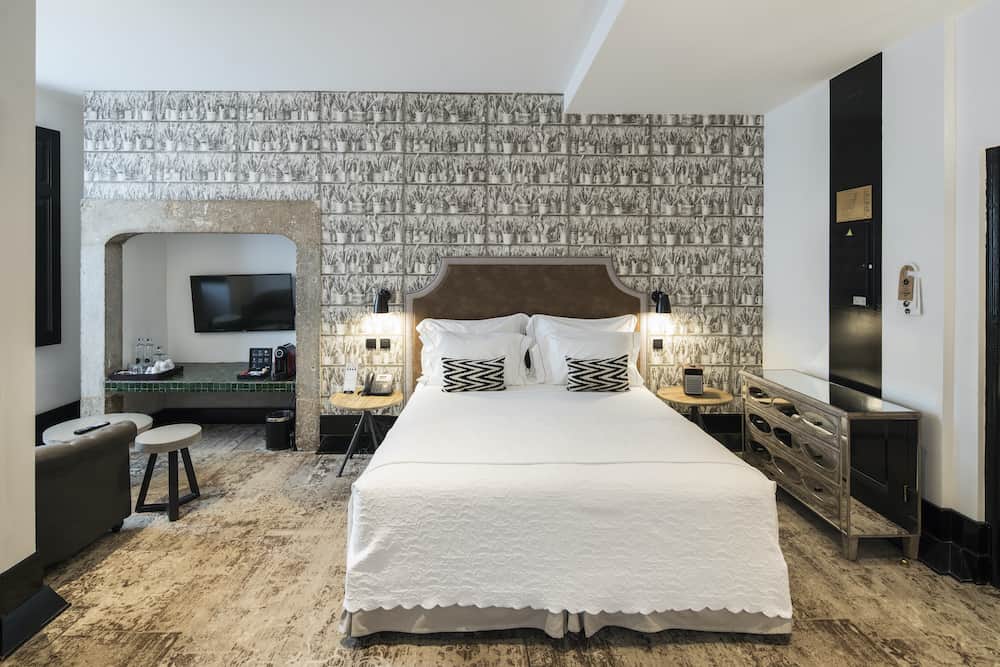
(473, 374)
(597, 374)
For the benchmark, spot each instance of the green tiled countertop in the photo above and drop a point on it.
(202, 378)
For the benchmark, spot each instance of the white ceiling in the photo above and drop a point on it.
(607, 55)
(409, 45)
(732, 56)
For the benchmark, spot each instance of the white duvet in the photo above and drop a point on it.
(544, 498)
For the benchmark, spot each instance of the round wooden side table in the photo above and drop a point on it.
(365, 405)
(712, 396)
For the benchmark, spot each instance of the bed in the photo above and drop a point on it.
(542, 508)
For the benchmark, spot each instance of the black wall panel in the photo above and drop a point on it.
(856, 247)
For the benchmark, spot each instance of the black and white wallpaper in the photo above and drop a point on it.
(405, 179)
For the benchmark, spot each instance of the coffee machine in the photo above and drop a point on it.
(284, 362)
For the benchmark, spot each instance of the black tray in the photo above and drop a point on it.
(145, 377)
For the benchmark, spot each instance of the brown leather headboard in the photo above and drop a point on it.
(467, 288)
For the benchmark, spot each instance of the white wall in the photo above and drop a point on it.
(57, 367)
(157, 301)
(17, 271)
(941, 110)
(978, 128)
(918, 228)
(796, 243)
(144, 297)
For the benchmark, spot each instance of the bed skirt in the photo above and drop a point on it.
(475, 619)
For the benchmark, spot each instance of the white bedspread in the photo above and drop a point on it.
(543, 498)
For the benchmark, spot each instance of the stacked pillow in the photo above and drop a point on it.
(560, 338)
(474, 340)
(596, 347)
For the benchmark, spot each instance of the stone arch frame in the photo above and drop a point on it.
(107, 224)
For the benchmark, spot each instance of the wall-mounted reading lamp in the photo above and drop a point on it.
(381, 304)
(662, 302)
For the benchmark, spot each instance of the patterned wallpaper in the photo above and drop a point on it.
(407, 178)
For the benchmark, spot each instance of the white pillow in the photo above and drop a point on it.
(622, 323)
(511, 346)
(589, 345)
(516, 323)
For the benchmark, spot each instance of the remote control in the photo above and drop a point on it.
(88, 429)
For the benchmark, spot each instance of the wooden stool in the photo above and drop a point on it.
(170, 439)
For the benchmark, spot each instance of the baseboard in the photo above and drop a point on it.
(43, 420)
(26, 604)
(955, 545)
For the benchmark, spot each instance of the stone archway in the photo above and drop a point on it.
(106, 225)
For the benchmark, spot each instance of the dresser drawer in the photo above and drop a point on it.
(813, 456)
(769, 403)
(819, 493)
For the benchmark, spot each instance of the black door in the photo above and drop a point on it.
(856, 247)
(48, 298)
(993, 357)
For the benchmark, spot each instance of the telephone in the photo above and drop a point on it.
(378, 384)
(908, 292)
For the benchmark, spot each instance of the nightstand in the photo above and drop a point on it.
(365, 405)
(712, 396)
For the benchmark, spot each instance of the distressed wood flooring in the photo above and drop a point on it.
(252, 574)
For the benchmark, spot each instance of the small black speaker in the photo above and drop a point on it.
(694, 381)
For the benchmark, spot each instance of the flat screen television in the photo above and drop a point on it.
(243, 302)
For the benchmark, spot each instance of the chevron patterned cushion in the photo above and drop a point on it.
(597, 374)
(473, 374)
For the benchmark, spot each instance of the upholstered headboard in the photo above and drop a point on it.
(480, 287)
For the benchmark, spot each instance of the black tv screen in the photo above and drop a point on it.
(247, 302)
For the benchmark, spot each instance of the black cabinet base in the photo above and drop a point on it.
(24, 621)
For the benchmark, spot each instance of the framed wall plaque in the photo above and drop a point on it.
(854, 204)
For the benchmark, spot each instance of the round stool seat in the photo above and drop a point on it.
(168, 438)
(63, 432)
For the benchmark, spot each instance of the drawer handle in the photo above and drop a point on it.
(785, 407)
(819, 458)
(784, 437)
(760, 423)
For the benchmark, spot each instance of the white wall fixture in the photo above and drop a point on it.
(908, 292)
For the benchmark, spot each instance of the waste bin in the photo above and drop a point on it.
(280, 430)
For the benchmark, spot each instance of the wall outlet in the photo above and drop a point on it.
(370, 343)
(385, 343)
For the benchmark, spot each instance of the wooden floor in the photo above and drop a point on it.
(252, 574)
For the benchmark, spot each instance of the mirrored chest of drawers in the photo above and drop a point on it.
(851, 458)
